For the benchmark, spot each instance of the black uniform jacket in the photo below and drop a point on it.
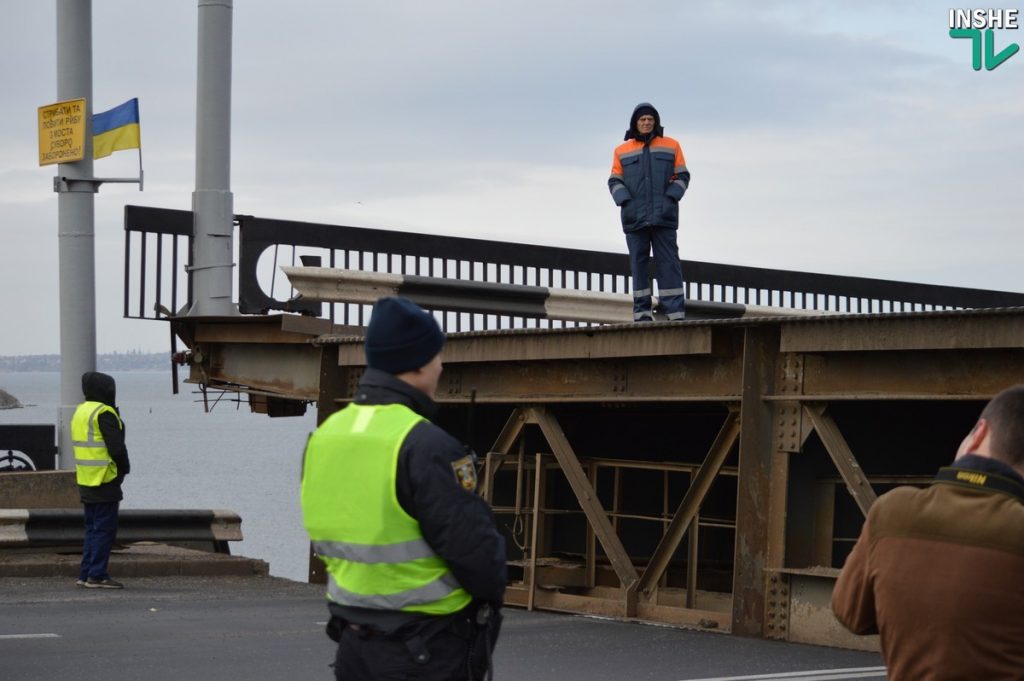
(458, 524)
(99, 387)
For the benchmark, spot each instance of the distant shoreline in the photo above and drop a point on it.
(112, 361)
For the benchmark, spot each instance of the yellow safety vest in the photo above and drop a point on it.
(375, 553)
(93, 465)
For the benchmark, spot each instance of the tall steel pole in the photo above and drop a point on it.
(212, 202)
(75, 222)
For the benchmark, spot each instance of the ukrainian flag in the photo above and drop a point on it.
(116, 129)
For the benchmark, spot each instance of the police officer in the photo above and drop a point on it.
(416, 567)
(101, 462)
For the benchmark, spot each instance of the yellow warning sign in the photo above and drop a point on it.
(62, 132)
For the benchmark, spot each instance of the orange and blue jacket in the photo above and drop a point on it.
(647, 181)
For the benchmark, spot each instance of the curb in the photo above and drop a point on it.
(145, 559)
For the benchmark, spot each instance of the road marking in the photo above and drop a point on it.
(3, 636)
(815, 675)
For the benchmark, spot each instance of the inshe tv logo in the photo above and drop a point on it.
(968, 23)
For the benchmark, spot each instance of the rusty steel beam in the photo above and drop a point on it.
(940, 331)
(625, 341)
(510, 432)
(270, 329)
(337, 285)
(696, 379)
(959, 374)
(289, 371)
(537, 526)
(603, 602)
(753, 489)
(688, 507)
(585, 495)
(856, 482)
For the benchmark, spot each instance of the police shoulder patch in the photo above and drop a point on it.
(465, 472)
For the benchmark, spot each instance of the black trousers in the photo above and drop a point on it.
(364, 656)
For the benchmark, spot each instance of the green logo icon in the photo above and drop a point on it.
(988, 41)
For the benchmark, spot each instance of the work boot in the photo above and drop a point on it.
(106, 583)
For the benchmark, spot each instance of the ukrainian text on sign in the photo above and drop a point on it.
(62, 132)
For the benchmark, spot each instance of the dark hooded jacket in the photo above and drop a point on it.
(648, 176)
(99, 387)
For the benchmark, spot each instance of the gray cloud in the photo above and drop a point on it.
(854, 140)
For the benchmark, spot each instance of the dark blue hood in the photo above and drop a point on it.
(642, 108)
(99, 387)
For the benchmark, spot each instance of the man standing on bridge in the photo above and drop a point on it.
(648, 179)
(937, 571)
(101, 462)
(415, 564)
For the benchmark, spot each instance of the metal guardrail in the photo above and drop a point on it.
(355, 286)
(167, 231)
(35, 527)
(375, 250)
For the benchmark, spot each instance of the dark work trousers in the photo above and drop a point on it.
(666, 268)
(100, 531)
(373, 657)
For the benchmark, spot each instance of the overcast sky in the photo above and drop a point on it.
(828, 136)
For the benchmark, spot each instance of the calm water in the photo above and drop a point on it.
(185, 458)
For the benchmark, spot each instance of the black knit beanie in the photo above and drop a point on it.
(401, 336)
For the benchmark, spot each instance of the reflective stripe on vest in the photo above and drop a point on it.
(375, 553)
(436, 590)
(399, 552)
(93, 465)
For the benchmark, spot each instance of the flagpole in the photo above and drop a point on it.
(139, 116)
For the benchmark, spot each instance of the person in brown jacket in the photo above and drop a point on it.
(939, 571)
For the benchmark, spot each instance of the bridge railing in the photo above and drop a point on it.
(158, 251)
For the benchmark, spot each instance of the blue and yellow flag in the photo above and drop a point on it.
(116, 129)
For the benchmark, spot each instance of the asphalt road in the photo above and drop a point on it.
(262, 629)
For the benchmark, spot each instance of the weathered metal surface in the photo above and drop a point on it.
(658, 340)
(776, 610)
(711, 380)
(337, 285)
(276, 329)
(683, 518)
(754, 488)
(804, 612)
(856, 482)
(620, 395)
(988, 329)
(291, 371)
(928, 375)
(271, 356)
(579, 482)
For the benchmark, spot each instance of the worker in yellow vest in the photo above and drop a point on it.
(101, 462)
(416, 566)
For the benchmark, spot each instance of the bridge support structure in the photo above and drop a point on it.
(705, 473)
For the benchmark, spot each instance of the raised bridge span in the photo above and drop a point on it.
(713, 472)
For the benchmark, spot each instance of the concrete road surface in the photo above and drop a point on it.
(262, 629)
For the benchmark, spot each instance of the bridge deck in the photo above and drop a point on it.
(709, 473)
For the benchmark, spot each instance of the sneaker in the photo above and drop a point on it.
(79, 582)
(107, 583)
